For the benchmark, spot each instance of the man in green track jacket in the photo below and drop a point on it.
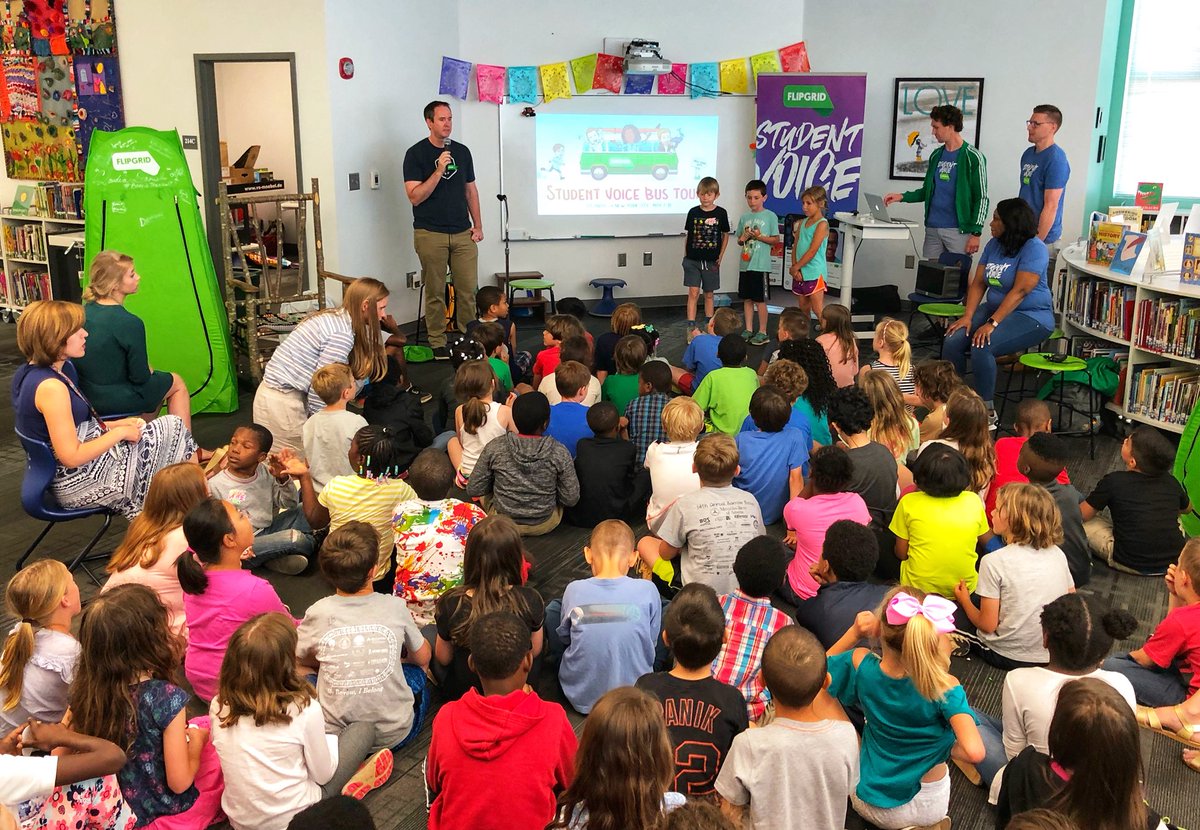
(955, 189)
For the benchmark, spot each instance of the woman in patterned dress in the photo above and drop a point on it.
(99, 464)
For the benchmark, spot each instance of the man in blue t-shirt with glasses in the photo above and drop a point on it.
(1044, 173)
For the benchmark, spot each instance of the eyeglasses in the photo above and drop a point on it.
(1036, 123)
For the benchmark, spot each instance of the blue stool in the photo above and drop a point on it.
(607, 304)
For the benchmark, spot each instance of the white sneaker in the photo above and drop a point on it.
(993, 420)
(290, 564)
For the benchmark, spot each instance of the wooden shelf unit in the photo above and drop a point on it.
(28, 272)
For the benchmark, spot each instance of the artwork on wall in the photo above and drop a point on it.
(912, 142)
(59, 81)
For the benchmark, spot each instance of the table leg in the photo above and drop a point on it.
(852, 240)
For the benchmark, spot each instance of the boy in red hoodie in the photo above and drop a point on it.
(498, 760)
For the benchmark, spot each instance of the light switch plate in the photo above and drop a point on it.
(354, 181)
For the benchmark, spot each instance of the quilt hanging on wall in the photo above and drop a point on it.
(59, 81)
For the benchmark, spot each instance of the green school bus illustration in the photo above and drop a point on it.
(629, 150)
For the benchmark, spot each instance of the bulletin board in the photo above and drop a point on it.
(60, 80)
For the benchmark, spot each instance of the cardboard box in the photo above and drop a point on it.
(242, 170)
(224, 154)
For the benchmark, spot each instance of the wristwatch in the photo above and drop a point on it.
(993, 322)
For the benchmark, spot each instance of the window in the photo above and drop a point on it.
(1160, 114)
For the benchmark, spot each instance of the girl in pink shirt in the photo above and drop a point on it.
(838, 340)
(807, 519)
(218, 595)
(154, 541)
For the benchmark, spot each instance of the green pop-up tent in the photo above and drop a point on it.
(139, 200)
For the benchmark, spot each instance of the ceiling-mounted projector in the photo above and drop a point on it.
(643, 57)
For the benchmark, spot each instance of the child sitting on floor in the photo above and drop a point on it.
(1033, 416)
(771, 459)
(255, 481)
(750, 620)
(798, 770)
(642, 420)
(491, 339)
(569, 417)
(466, 778)
(934, 381)
(1018, 580)
(327, 434)
(700, 356)
(367, 690)
(694, 629)
(1042, 460)
(848, 557)
(1157, 669)
(478, 420)
(624, 318)
(840, 343)
(622, 386)
(1144, 500)
(609, 484)
(793, 325)
(706, 548)
(558, 328)
(392, 403)
(574, 348)
(492, 306)
(895, 357)
(670, 462)
(605, 628)
(430, 533)
(526, 475)
(724, 394)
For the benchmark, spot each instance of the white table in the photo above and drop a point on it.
(857, 229)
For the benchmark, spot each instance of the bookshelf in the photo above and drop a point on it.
(1156, 323)
(27, 271)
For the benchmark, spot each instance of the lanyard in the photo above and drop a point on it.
(71, 385)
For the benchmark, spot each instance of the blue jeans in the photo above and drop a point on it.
(1152, 687)
(288, 533)
(443, 440)
(994, 757)
(1017, 331)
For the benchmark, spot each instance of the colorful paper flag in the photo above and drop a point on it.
(490, 80)
(705, 80)
(522, 84)
(456, 77)
(674, 83)
(583, 70)
(794, 58)
(554, 81)
(764, 62)
(639, 84)
(733, 76)
(609, 69)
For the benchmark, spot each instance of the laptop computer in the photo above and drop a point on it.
(879, 212)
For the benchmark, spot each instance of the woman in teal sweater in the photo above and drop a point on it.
(115, 373)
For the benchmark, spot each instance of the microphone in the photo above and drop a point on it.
(451, 167)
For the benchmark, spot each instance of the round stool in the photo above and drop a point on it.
(940, 316)
(1058, 366)
(535, 288)
(607, 304)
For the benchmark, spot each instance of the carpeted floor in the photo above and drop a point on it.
(1171, 787)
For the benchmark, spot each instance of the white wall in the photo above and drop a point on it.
(541, 31)
(1028, 52)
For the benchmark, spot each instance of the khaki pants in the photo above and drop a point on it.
(1099, 533)
(459, 253)
(283, 414)
(540, 529)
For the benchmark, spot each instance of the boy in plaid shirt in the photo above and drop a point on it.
(643, 416)
(750, 620)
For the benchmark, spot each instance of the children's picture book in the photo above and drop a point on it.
(1103, 237)
(1127, 252)
(1189, 271)
(1149, 195)
(1129, 215)
(25, 202)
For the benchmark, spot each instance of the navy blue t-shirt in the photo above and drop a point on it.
(445, 210)
(941, 206)
(831, 612)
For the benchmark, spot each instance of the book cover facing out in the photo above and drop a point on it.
(1189, 271)
(1149, 195)
(1126, 253)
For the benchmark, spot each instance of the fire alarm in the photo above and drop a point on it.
(346, 68)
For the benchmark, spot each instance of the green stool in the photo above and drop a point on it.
(1058, 366)
(535, 288)
(939, 315)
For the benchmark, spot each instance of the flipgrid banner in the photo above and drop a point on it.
(810, 132)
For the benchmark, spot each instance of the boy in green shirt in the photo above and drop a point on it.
(724, 394)
(757, 231)
(491, 337)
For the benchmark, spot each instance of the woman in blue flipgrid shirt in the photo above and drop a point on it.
(1008, 307)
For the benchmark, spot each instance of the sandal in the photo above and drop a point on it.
(1186, 734)
(1192, 763)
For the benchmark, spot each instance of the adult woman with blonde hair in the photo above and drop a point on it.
(155, 539)
(106, 464)
(116, 374)
(352, 333)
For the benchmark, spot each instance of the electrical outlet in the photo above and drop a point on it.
(354, 181)
(647, 258)
(622, 260)
(910, 262)
(411, 280)
(374, 179)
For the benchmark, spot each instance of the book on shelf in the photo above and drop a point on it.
(1128, 215)
(1127, 252)
(1164, 392)
(24, 286)
(1100, 304)
(1189, 269)
(1103, 237)
(1170, 326)
(1149, 195)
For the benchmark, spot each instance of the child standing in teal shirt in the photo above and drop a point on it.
(757, 231)
(917, 715)
(808, 254)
